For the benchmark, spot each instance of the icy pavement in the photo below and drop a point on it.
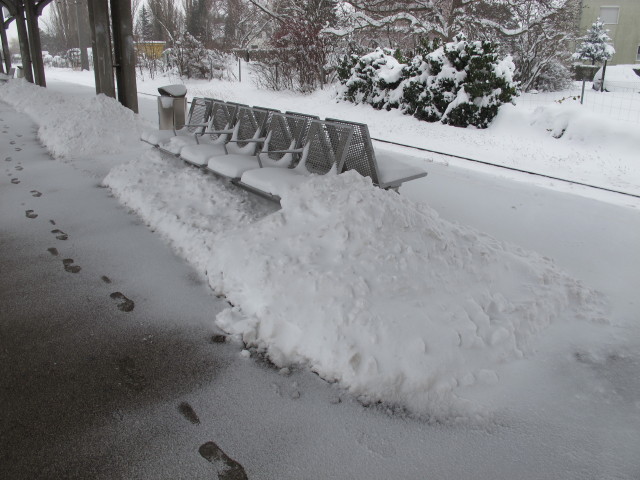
(149, 389)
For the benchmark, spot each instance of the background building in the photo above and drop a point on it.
(622, 19)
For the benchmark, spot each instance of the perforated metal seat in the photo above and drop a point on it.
(279, 148)
(248, 127)
(213, 139)
(324, 152)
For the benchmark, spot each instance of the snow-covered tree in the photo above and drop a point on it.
(542, 50)
(595, 45)
(144, 27)
(192, 60)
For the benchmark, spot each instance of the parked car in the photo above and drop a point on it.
(618, 78)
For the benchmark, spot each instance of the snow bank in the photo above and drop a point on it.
(383, 296)
(188, 209)
(75, 126)
(571, 123)
(363, 286)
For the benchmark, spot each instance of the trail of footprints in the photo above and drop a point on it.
(123, 303)
(227, 468)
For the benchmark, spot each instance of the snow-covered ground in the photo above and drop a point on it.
(474, 296)
(595, 148)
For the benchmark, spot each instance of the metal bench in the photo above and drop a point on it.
(386, 170)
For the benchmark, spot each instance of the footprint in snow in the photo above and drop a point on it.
(105, 279)
(53, 251)
(15, 181)
(69, 266)
(189, 413)
(18, 167)
(18, 149)
(52, 222)
(31, 214)
(228, 468)
(8, 159)
(134, 379)
(35, 193)
(60, 235)
(126, 304)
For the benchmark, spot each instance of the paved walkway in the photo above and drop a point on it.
(93, 368)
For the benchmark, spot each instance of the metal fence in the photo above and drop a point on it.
(622, 105)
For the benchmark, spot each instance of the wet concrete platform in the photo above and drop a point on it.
(97, 361)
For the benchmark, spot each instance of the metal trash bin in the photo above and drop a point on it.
(172, 105)
(19, 72)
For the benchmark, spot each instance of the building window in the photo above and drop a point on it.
(609, 15)
(638, 54)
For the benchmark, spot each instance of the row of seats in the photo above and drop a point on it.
(268, 152)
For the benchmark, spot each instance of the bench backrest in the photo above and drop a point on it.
(222, 115)
(303, 122)
(250, 124)
(360, 155)
(326, 147)
(199, 113)
(285, 132)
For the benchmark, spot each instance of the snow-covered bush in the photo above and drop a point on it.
(373, 78)
(461, 83)
(189, 57)
(553, 78)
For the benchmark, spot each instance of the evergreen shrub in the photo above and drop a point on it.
(461, 83)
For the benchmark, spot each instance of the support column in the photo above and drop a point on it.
(122, 25)
(101, 46)
(23, 37)
(34, 43)
(5, 43)
(82, 44)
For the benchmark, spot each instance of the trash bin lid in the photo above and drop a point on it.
(173, 90)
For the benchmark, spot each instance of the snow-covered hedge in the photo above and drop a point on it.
(461, 83)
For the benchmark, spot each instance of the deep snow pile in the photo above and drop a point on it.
(382, 295)
(75, 126)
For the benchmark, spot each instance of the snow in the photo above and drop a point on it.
(403, 298)
(177, 90)
(71, 126)
(383, 296)
(620, 78)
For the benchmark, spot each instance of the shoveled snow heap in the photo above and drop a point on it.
(72, 125)
(383, 296)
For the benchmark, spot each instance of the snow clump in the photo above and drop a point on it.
(74, 126)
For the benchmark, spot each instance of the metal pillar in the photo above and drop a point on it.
(6, 55)
(122, 25)
(82, 44)
(5, 43)
(23, 38)
(34, 44)
(101, 46)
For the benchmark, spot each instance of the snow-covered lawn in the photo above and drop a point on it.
(474, 295)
